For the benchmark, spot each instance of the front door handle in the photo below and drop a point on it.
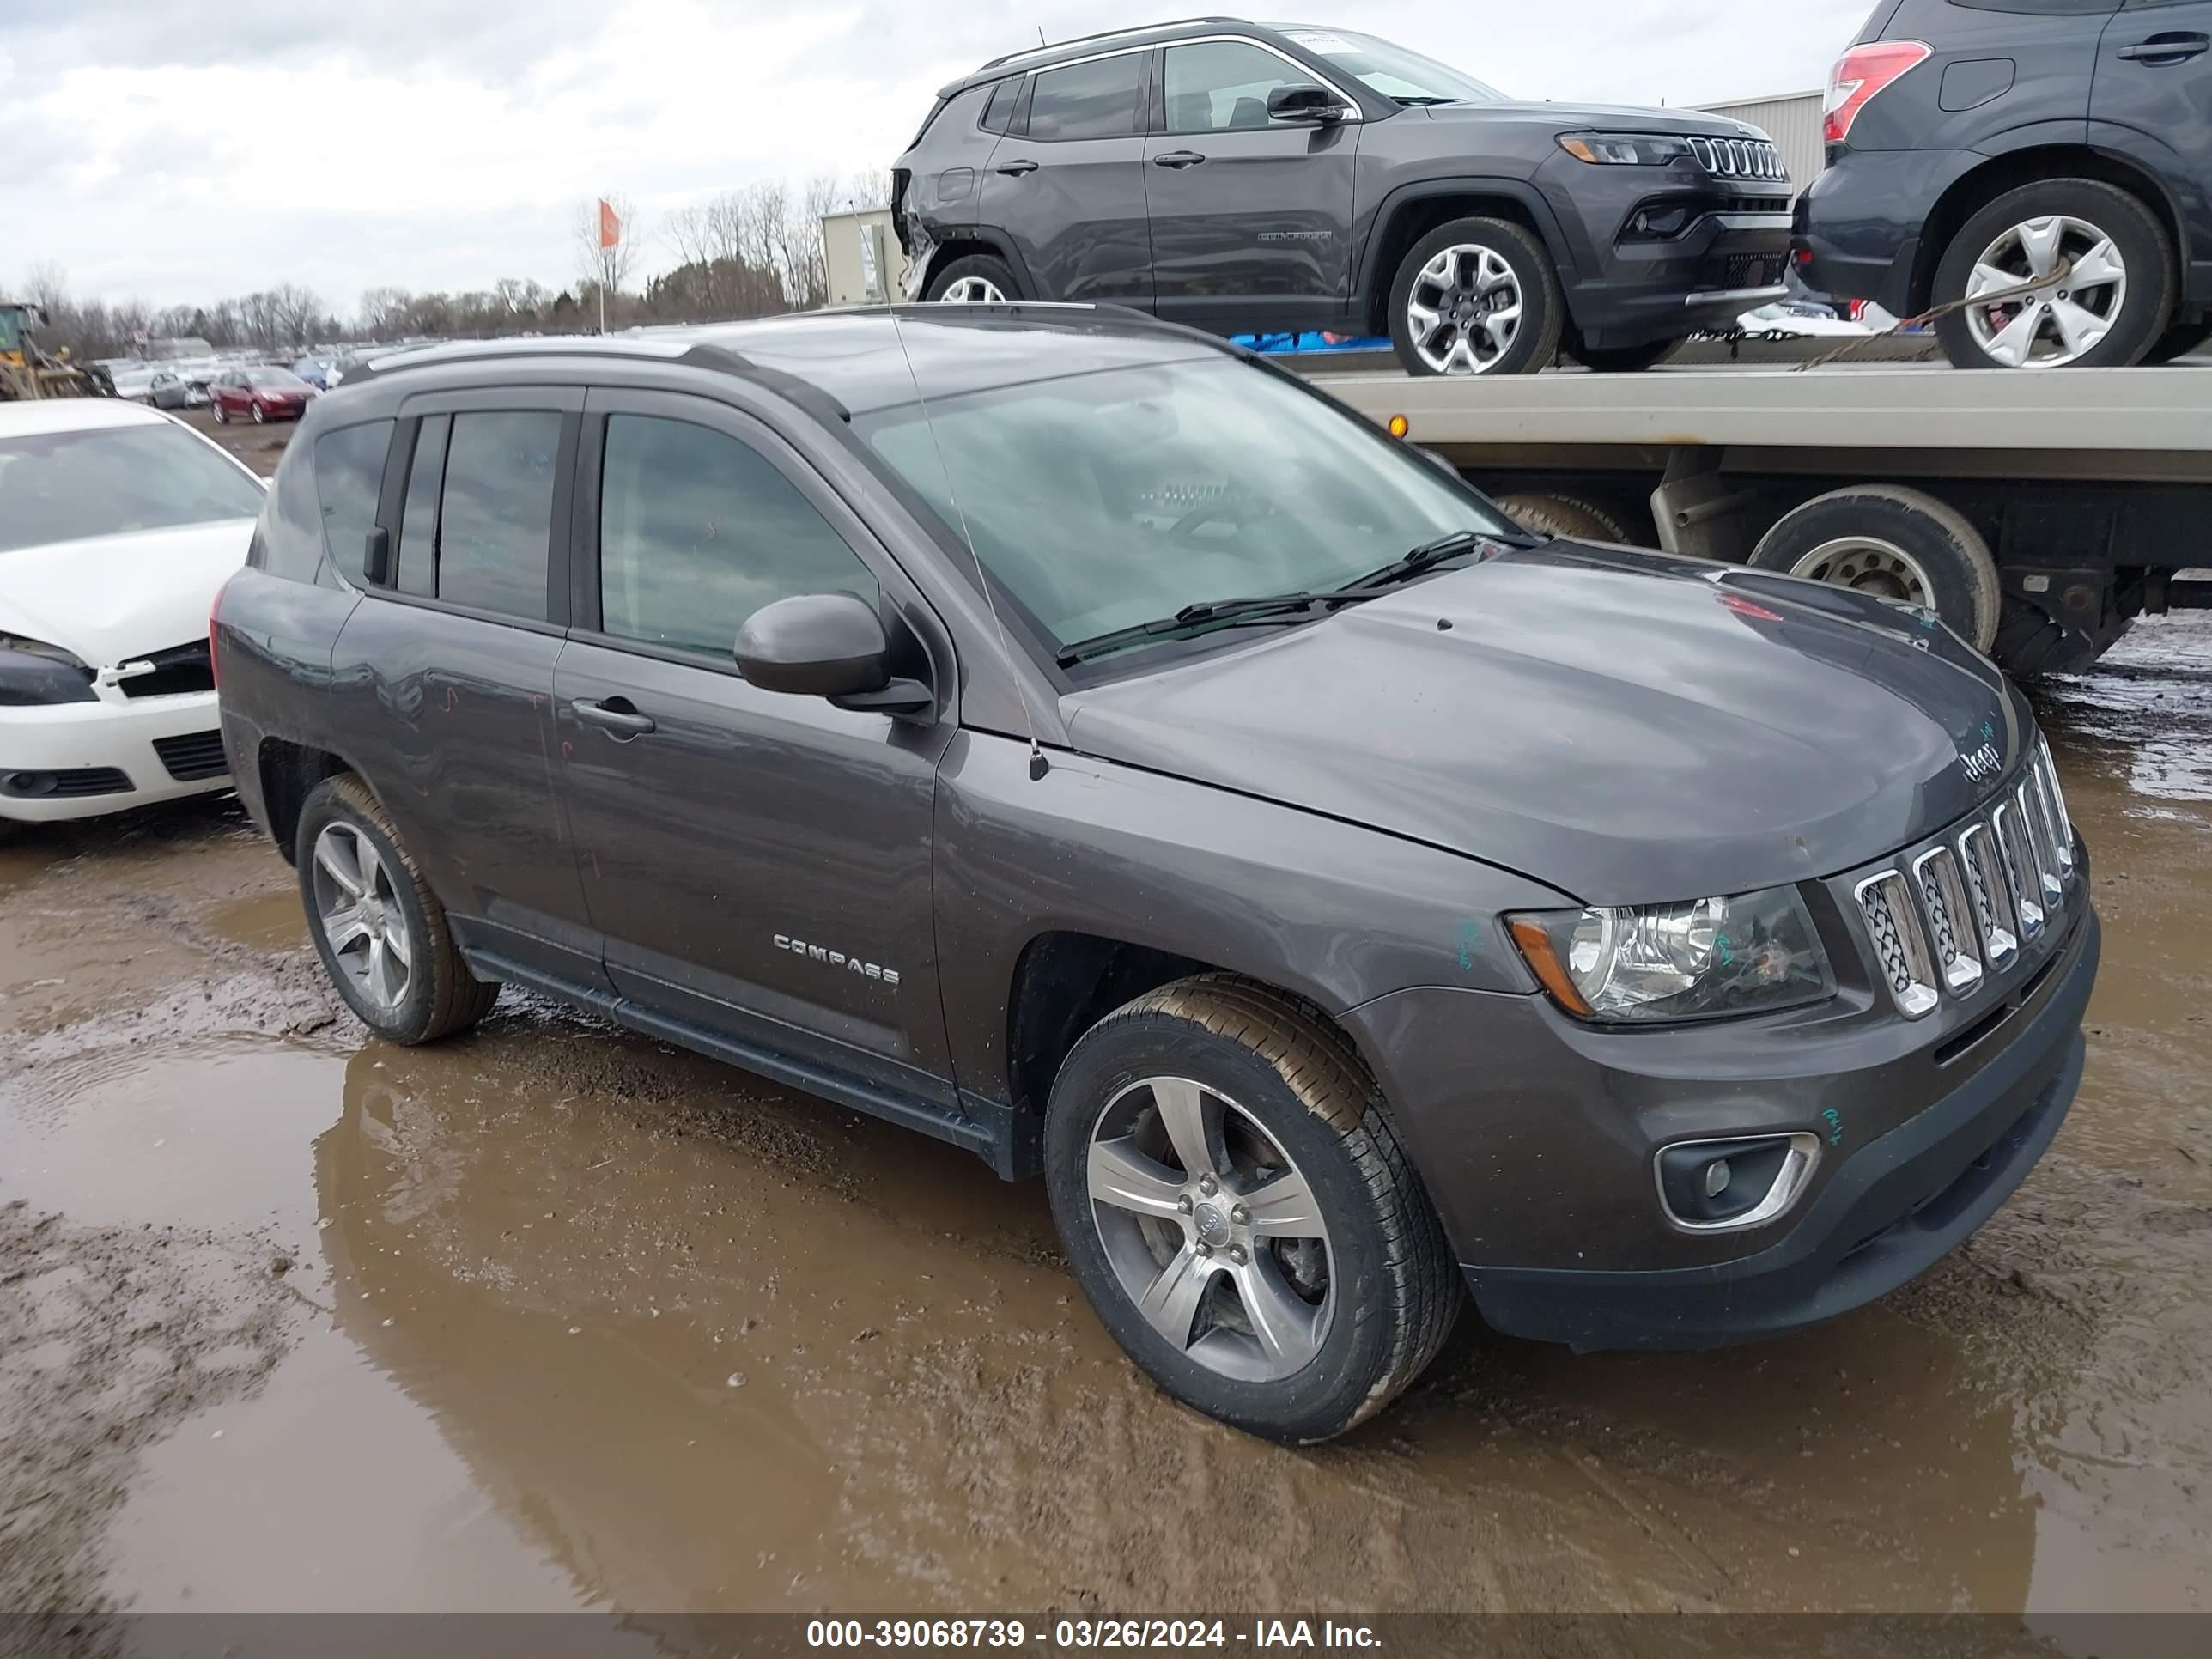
(1177, 158)
(1015, 169)
(616, 715)
(2177, 47)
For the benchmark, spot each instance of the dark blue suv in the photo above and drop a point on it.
(2055, 155)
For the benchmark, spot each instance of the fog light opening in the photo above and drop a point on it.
(1720, 1186)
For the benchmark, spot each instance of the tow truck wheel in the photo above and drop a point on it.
(1894, 544)
(1231, 1190)
(1563, 515)
(1476, 296)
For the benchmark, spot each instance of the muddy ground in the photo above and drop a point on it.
(553, 1317)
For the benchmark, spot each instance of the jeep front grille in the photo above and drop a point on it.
(1950, 916)
(1740, 158)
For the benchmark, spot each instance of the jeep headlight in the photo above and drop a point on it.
(1703, 960)
(1625, 149)
(34, 673)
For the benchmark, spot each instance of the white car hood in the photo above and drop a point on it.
(112, 598)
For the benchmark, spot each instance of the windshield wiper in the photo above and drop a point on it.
(1429, 554)
(1228, 613)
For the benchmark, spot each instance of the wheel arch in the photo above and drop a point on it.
(2032, 163)
(968, 241)
(1066, 981)
(1412, 212)
(289, 772)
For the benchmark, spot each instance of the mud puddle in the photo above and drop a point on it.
(550, 1317)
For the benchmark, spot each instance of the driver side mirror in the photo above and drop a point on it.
(827, 645)
(1317, 104)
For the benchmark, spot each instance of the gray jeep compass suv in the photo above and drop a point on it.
(1250, 179)
(1097, 748)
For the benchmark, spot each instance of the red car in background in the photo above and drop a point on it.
(259, 394)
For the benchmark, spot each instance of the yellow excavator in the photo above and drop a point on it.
(27, 373)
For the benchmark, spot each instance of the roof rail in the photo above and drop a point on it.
(1113, 34)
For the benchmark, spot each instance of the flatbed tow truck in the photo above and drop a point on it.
(2038, 513)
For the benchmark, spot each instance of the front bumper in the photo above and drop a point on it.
(1536, 1137)
(147, 741)
(1626, 289)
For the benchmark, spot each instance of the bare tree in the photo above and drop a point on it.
(810, 284)
(870, 189)
(293, 314)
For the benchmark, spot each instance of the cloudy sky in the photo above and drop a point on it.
(179, 150)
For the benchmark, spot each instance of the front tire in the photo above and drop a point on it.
(2107, 312)
(222, 415)
(976, 279)
(260, 416)
(379, 930)
(1895, 543)
(1236, 1205)
(1622, 360)
(1476, 296)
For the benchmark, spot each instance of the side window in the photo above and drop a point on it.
(1222, 86)
(496, 515)
(348, 474)
(998, 113)
(418, 519)
(1098, 100)
(697, 532)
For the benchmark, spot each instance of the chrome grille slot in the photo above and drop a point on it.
(1991, 894)
(1943, 901)
(2021, 872)
(1901, 946)
(2042, 843)
(1740, 158)
(2054, 802)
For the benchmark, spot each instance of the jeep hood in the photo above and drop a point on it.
(1629, 728)
(1607, 118)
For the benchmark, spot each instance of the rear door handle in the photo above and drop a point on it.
(2160, 50)
(1178, 158)
(616, 715)
(1015, 169)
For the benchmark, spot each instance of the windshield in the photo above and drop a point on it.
(66, 486)
(1392, 70)
(1105, 499)
(277, 379)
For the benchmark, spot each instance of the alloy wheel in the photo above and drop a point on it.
(2058, 324)
(359, 912)
(972, 291)
(1464, 310)
(1212, 1229)
(1867, 564)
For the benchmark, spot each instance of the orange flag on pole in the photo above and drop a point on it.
(610, 227)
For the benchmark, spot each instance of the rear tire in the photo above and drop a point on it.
(1622, 360)
(1448, 300)
(355, 871)
(2085, 217)
(1293, 1326)
(1895, 543)
(974, 279)
(2029, 645)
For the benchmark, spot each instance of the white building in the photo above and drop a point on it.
(860, 257)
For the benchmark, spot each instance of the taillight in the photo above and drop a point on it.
(1860, 75)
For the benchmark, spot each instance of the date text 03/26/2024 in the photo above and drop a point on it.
(1274, 1635)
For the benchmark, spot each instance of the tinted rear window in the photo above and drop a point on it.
(1098, 100)
(69, 486)
(348, 474)
(495, 524)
